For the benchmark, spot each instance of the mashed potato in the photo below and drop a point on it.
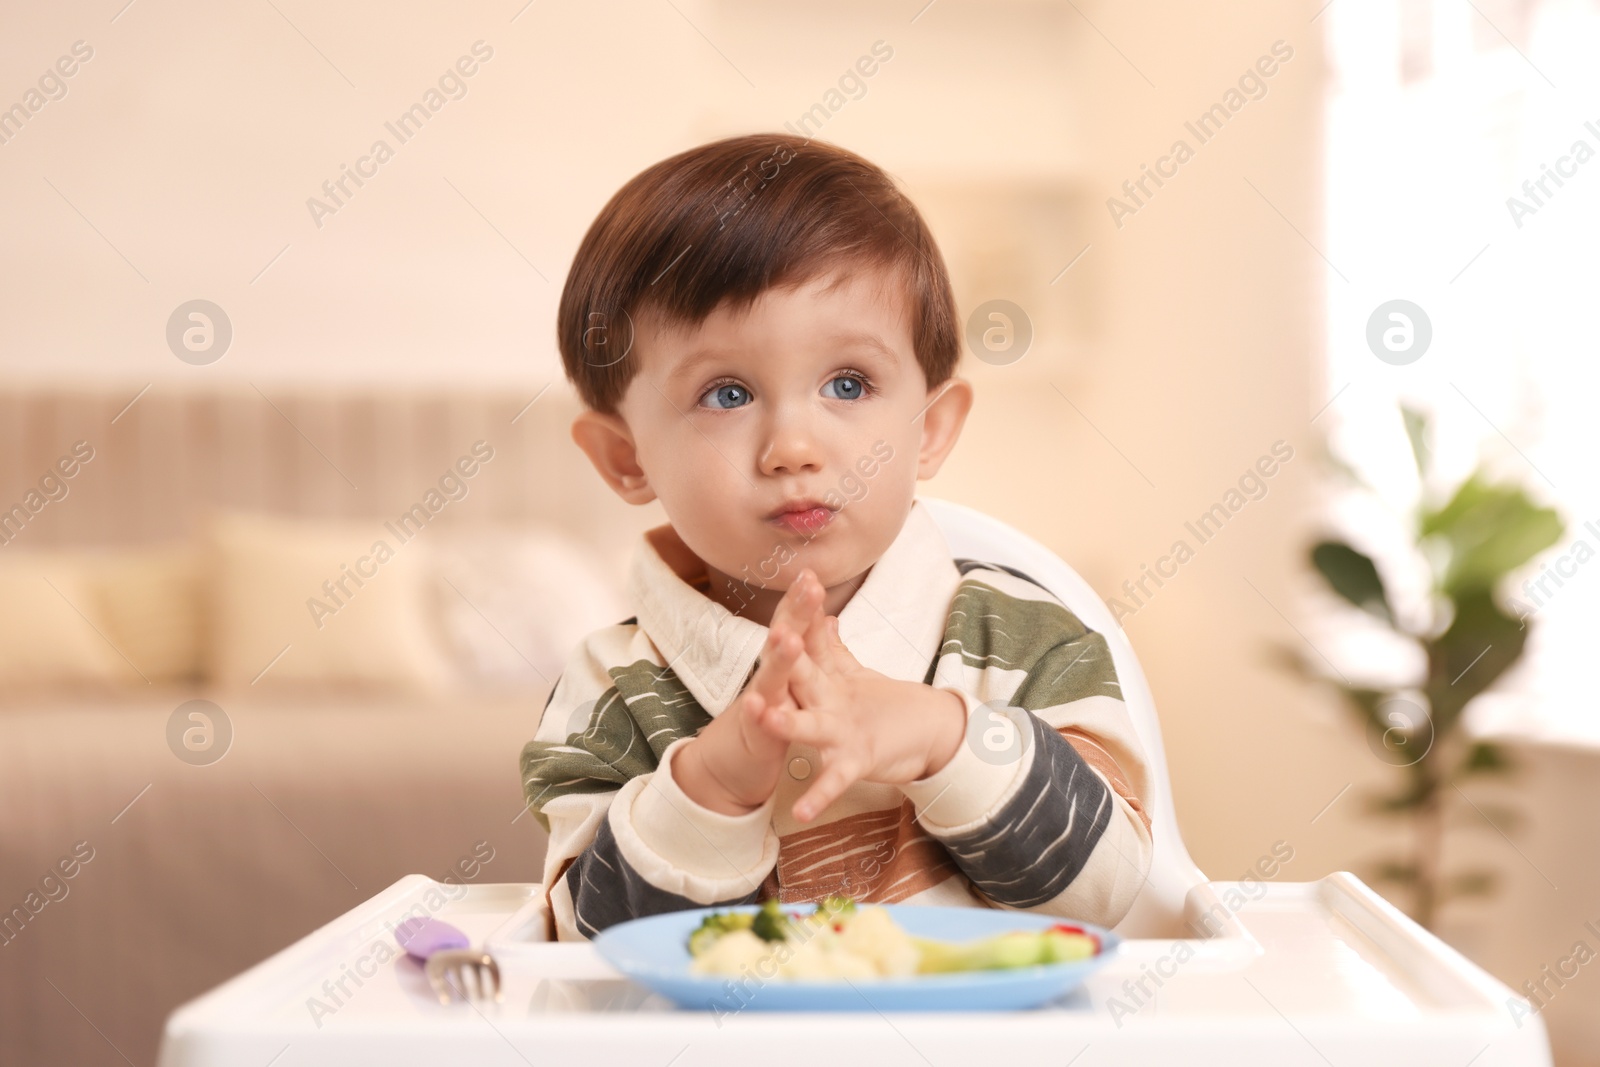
(866, 944)
(842, 940)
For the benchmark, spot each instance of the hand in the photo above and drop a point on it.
(864, 724)
(733, 765)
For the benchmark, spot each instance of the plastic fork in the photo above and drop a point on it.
(447, 959)
(447, 969)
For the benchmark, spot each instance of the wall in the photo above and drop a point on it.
(1207, 352)
(1180, 347)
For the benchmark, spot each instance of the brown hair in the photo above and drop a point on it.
(727, 221)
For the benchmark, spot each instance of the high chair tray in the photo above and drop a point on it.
(1318, 973)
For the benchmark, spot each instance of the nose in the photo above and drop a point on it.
(790, 445)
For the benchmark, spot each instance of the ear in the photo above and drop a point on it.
(941, 425)
(606, 440)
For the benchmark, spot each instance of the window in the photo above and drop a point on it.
(1463, 175)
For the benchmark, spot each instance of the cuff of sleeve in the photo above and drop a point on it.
(676, 834)
(971, 787)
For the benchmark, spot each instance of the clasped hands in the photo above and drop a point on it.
(807, 688)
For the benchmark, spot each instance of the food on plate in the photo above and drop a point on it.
(843, 940)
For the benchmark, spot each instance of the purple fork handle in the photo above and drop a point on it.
(421, 938)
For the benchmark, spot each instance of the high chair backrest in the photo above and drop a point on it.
(1158, 910)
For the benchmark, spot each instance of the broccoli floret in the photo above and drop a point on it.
(702, 939)
(834, 906)
(770, 923)
(714, 926)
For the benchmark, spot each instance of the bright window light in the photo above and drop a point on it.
(1440, 112)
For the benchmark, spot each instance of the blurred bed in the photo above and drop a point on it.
(261, 655)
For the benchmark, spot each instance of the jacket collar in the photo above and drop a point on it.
(893, 624)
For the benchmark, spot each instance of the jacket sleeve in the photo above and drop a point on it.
(625, 841)
(1040, 806)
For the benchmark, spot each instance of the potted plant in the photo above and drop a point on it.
(1466, 540)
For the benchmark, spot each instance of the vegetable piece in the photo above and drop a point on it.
(835, 906)
(1073, 942)
(770, 923)
(1065, 946)
(714, 926)
(1005, 951)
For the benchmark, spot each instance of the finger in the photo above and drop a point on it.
(750, 707)
(804, 727)
(795, 608)
(833, 781)
(811, 685)
(784, 612)
(839, 652)
(771, 679)
(818, 635)
(763, 737)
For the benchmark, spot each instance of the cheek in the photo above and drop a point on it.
(682, 450)
(695, 472)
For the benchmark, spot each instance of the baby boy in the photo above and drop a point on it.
(813, 697)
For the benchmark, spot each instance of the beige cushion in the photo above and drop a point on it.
(514, 601)
(151, 602)
(268, 595)
(52, 629)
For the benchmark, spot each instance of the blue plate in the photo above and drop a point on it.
(654, 952)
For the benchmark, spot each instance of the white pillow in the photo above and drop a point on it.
(150, 599)
(51, 628)
(514, 602)
(306, 600)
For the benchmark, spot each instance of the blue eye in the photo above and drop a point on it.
(853, 389)
(734, 395)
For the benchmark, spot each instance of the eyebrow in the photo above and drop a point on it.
(867, 340)
(692, 362)
(695, 359)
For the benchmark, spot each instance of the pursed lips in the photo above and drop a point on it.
(803, 519)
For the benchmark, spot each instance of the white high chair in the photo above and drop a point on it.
(1323, 971)
(1158, 909)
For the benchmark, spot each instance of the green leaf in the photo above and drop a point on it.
(1475, 883)
(1416, 793)
(1481, 644)
(1395, 871)
(1353, 576)
(1490, 530)
(1486, 757)
(1365, 702)
(1417, 432)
